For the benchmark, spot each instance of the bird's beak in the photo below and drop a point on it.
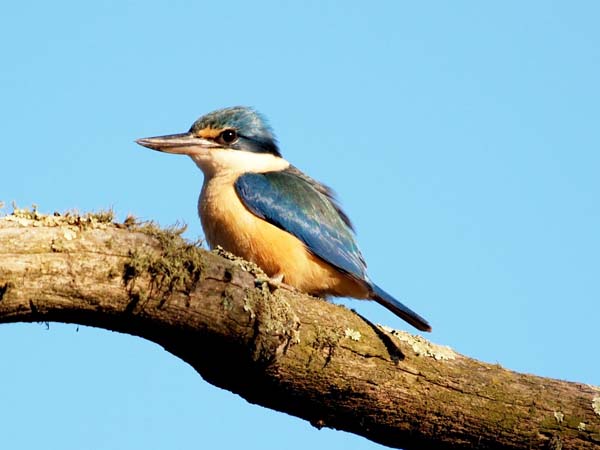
(181, 144)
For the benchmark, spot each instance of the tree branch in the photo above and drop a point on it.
(283, 350)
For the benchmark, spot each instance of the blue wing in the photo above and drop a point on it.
(297, 204)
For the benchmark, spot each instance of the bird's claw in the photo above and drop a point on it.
(275, 282)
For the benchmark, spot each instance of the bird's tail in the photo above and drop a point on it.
(405, 313)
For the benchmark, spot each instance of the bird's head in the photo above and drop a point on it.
(238, 128)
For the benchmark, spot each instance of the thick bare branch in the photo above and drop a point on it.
(282, 349)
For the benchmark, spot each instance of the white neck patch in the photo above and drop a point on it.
(220, 161)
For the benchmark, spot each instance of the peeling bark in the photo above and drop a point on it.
(282, 349)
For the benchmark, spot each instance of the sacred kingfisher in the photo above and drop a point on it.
(255, 204)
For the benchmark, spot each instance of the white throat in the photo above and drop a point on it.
(220, 161)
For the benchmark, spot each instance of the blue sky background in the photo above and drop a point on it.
(462, 138)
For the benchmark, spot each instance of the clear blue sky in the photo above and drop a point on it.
(462, 138)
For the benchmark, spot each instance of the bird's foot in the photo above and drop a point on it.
(276, 282)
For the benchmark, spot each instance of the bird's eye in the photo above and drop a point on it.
(228, 136)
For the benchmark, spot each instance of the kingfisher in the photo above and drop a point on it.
(258, 206)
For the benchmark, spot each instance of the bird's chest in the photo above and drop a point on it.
(225, 220)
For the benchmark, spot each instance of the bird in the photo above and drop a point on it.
(257, 205)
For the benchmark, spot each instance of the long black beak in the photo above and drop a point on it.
(182, 144)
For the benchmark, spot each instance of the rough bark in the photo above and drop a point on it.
(282, 349)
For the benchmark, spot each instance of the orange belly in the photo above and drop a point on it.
(228, 223)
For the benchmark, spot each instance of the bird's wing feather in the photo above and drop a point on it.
(325, 190)
(293, 202)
